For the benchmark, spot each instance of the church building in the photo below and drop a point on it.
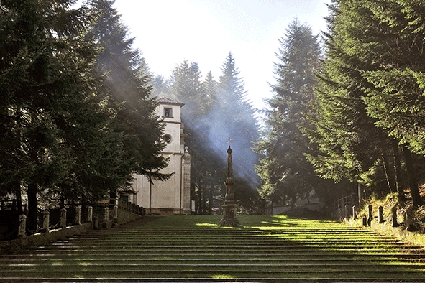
(173, 195)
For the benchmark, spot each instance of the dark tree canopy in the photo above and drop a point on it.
(370, 94)
(76, 117)
(47, 83)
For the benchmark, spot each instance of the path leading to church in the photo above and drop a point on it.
(194, 248)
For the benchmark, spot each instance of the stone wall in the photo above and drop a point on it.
(22, 244)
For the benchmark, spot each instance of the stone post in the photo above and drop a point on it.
(369, 214)
(354, 211)
(346, 214)
(22, 225)
(394, 216)
(95, 222)
(106, 217)
(115, 214)
(46, 220)
(77, 219)
(63, 218)
(380, 214)
(89, 213)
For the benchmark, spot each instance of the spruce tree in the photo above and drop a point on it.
(127, 89)
(284, 169)
(352, 130)
(208, 127)
(394, 44)
(234, 118)
(47, 81)
(187, 86)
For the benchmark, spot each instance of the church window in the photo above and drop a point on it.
(168, 112)
(167, 138)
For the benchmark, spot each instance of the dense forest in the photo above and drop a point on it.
(77, 109)
(349, 112)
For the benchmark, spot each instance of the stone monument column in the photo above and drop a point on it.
(186, 182)
(229, 206)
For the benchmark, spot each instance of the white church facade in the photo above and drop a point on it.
(173, 195)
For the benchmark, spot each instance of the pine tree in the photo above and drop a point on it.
(127, 89)
(47, 80)
(360, 45)
(234, 117)
(205, 122)
(284, 169)
(395, 47)
(187, 87)
(209, 86)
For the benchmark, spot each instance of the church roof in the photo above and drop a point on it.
(167, 100)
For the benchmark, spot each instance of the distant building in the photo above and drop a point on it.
(171, 196)
(308, 203)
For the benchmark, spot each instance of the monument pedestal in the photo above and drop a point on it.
(229, 215)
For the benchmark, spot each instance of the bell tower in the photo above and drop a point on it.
(173, 195)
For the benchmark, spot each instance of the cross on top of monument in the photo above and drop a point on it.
(229, 140)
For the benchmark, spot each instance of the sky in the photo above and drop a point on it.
(167, 32)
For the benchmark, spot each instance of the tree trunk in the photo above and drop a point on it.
(411, 175)
(210, 199)
(32, 208)
(398, 175)
(17, 190)
(199, 210)
(389, 174)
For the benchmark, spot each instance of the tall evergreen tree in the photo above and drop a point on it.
(284, 169)
(127, 88)
(395, 45)
(188, 88)
(46, 79)
(207, 124)
(160, 86)
(359, 44)
(234, 117)
(209, 86)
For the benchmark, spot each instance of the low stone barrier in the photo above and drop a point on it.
(66, 226)
(39, 239)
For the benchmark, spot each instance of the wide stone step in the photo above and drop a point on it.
(153, 255)
(236, 244)
(232, 241)
(249, 270)
(236, 248)
(211, 280)
(165, 252)
(191, 265)
(199, 259)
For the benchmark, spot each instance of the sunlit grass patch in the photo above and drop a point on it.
(222, 276)
(212, 225)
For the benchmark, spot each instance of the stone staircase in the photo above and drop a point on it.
(193, 248)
